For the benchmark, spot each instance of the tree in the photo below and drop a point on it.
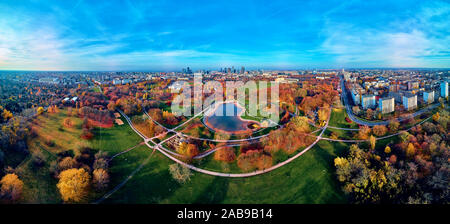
(100, 163)
(67, 163)
(436, 117)
(180, 173)
(410, 151)
(100, 179)
(225, 154)
(301, 123)
(373, 142)
(387, 150)
(367, 182)
(323, 114)
(379, 130)
(74, 184)
(364, 132)
(111, 106)
(12, 186)
(40, 110)
(393, 126)
(369, 114)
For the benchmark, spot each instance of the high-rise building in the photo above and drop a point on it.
(428, 97)
(242, 70)
(444, 89)
(386, 105)
(368, 101)
(409, 101)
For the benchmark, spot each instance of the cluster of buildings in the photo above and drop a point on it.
(386, 89)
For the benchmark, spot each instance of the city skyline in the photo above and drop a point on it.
(138, 36)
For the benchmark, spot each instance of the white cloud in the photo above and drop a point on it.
(412, 44)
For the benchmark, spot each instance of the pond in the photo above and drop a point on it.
(226, 118)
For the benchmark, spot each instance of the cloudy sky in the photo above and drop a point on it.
(169, 35)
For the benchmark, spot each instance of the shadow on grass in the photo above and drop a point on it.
(215, 192)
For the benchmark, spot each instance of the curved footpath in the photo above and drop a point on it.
(213, 173)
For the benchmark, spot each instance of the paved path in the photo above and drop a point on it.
(125, 151)
(214, 173)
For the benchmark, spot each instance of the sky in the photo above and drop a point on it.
(164, 35)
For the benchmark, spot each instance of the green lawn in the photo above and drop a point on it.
(116, 139)
(338, 119)
(308, 179)
(40, 186)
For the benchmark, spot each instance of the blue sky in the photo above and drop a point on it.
(169, 35)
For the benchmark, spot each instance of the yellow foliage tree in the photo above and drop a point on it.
(387, 150)
(7, 114)
(411, 150)
(436, 117)
(40, 110)
(373, 142)
(73, 184)
(11, 187)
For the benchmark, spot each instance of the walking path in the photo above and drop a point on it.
(159, 147)
(125, 151)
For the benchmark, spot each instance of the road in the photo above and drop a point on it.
(354, 118)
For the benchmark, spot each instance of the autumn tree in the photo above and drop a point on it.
(40, 110)
(369, 114)
(436, 117)
(364, 132)
(393, 126)
(254, 159)
(410, 150)
(67, 163)
(67, 122)
(100, 179)
(323, 114)
(111, 106)
(73, 184)
(11, 187)
(387, 150)
(301, 124)
(373, 142)
(379, 130)
(188, 150)
(367, 182)
(225, 154)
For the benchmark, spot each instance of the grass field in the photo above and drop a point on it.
(39, 185)
(308, 179)
(338, 119)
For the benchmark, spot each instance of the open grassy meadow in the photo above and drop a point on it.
(308, 179)
(53, 137)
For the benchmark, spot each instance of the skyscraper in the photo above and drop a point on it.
(444, 89)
